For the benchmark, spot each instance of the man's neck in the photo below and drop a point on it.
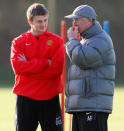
(35, 32)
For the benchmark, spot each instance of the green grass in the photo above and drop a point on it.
(7, 101)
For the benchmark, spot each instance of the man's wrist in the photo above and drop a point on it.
(73, 39)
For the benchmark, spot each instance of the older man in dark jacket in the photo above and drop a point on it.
(90, 86)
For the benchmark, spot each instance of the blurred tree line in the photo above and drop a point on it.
(13, 22)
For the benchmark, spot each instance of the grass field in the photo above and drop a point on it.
(7, 102)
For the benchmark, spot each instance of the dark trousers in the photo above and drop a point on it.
(30, 112)
(90, 121)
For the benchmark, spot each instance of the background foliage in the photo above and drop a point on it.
(13, 22)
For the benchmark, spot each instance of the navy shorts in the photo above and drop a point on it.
(30, 113)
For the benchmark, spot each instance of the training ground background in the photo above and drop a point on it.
(7, 109)
(13, 22)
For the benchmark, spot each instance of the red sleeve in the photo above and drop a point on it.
(25, 67)
(56, 68)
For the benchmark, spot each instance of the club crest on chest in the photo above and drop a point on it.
(49, 42)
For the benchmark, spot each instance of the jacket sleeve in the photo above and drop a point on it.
(25, 67)
(83, 56)
(56, 68)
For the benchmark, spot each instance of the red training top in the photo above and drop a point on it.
(35, 77)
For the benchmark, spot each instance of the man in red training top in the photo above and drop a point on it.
(37, 58)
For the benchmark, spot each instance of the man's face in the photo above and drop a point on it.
(82, 23)
(40, 23)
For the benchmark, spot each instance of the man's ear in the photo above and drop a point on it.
(90, 19)
(29, 21)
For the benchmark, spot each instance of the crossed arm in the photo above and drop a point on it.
(38, 68)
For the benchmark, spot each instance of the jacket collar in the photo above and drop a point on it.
(45, 32)
(93, 30)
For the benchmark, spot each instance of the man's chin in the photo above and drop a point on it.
(41, 31)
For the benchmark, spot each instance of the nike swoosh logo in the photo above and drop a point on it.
(27, 44)
(87, 113)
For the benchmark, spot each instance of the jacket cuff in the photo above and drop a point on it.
(70, 45)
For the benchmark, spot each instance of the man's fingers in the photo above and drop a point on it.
(73, 29)
(21, 57)
(69, 30)
(72, 33)
(50, 61)
(76, 29)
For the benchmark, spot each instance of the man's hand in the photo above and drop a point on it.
(50, 61)
(21, 57)
(72, 32)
